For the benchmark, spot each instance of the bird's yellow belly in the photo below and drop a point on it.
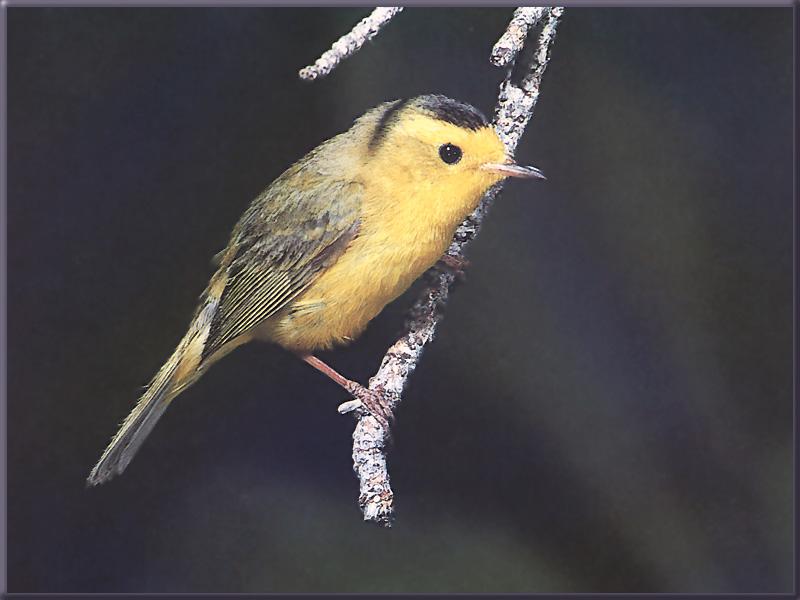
(372, 272)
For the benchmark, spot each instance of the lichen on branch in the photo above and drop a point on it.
(349, 44)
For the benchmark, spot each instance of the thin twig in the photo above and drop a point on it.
(514, 109)
(349, 44)
(510, 44)
(516, 100)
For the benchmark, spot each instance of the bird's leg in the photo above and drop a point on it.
(457, 264)
(375, 402)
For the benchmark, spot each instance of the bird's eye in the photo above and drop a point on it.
(449, 153)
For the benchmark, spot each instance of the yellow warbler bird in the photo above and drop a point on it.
(329, 243)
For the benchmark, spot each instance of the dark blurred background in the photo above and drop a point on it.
(608, 403)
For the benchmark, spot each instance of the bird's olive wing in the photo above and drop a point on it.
(290, 234)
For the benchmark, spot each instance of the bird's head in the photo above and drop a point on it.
(439, 148)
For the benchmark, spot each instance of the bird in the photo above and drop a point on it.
(327, 245)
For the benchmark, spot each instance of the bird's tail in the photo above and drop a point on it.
(180, 371)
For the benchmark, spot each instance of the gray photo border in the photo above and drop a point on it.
(6, 4)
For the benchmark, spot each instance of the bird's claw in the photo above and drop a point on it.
(456, 264)
(377, 404)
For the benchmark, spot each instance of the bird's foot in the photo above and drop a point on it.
(456, 264)
(375, 401)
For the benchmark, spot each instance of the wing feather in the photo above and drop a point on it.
(282, 243)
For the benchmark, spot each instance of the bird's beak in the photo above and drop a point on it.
(512, 169)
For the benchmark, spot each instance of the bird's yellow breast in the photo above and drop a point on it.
(391, 250)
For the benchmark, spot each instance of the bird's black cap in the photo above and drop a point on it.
(451, 111)
(437, 106)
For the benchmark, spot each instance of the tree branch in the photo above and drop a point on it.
(349, 44)
(517, 98)
(510, 44)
